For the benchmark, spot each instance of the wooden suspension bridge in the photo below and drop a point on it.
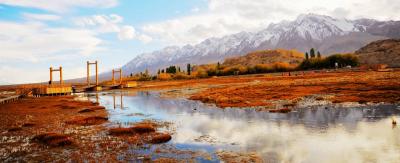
(60, 88)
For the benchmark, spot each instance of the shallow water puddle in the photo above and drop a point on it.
(330, 133)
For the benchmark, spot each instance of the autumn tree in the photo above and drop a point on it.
(189, 69)
(171, 70)
(312, 53)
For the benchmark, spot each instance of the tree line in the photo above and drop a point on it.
(332, 61)
(313, 60)
(175, 69)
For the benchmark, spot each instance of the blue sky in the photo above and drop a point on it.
(37, 34)
(134, 13)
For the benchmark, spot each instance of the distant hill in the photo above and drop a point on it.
(381, 52)
(266, 57)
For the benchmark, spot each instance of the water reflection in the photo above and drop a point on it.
(121, 105)
(335, 134)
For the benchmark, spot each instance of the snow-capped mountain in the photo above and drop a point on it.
(327, 34)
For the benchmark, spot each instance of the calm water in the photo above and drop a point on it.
(314, 134)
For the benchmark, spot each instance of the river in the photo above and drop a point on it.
(316, 133)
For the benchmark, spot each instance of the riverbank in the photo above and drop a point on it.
(336, 87)
(35, 129)
(73, 129)
(264, 90)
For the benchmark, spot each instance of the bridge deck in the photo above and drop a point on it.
(52, 90)
(9, 99)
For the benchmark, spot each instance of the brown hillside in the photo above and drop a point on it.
(381, 52)
(266, 57)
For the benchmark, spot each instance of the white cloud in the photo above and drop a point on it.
(112, 24)
(196, 9)
(41, 17)
(126, 33)
(116, 18)
(35, 41)
(99, 20)
(60, 5)
(286, 141)
(224, 17)
(35, 74)
(145, 38)
(13, 75)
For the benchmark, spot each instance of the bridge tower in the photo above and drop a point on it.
(120, 76)
(88, 72)
(51, 75)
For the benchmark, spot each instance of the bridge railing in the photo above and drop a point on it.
(27, 89)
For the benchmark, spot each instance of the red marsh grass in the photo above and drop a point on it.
(53, 139)
(158, 138)
(88, 121)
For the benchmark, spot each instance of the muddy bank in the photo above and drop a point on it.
(43, 134)
(62, 129)
(359, 87)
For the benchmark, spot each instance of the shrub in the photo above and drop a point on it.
(181, 75)
(329, 62)
(282, 67)
(164, 76)
(262, 68)
(201, 73)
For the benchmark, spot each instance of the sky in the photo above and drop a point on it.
(38, 34)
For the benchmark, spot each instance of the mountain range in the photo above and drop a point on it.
(327, 34)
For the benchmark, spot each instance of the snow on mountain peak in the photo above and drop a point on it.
(319, 27)
(307, 30)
